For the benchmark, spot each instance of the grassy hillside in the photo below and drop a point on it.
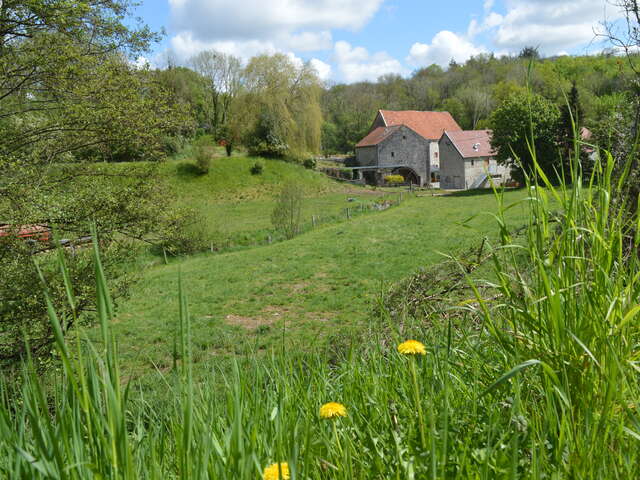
(319, 284)
(541, 382)
(235, 206)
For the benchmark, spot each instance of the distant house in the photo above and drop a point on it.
(467, 160)
(405, 143)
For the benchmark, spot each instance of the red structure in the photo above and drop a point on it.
(36, 233)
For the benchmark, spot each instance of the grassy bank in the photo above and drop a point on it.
(315, 287)
(541, 382)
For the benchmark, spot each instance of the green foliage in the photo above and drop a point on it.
(287, 214)
(522, 123)
(69, 96)
(189, 89)
(394, 179)
(488, 403)
(222, 74)
(309, 163)
(267, 139)
(257, 168)
(471, 91)
(183, 233)
(279, 113)
(203, 157)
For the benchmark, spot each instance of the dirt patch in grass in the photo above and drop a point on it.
(297, 287)
(245, 322)
(320, 316)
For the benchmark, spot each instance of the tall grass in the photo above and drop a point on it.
(547, 387)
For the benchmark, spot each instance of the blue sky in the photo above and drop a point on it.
(354, 40)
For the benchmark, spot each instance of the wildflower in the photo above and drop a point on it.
(333, 410)
(412, 347)
(277, 471)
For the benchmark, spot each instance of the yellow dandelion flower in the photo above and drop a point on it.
(412, 347)
(333, 410)
(277, 472)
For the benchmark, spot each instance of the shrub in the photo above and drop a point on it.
(309, 163)
(394, 179)
(287, 214)
(203, 159)
(257, 168)
(184, 233)
(172, 144)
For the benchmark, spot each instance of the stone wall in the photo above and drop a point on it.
(452, 174)
(367, 156)
(459, 173)
(405, 147)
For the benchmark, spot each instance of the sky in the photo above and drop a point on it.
(357, 40)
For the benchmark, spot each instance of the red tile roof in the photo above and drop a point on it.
(429, 125)
(472, 143)
(377, 136)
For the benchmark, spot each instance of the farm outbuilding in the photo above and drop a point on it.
(467, 161)
(404, 143)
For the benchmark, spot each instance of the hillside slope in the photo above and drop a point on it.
(318, 284)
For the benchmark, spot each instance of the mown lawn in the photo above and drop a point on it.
(304, 290)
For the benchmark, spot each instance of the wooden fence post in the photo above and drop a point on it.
(348, 212)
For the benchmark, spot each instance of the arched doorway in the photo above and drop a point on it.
(409, 174)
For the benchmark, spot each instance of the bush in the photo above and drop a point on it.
(257, 168)
(172, 144)
(309, 163)
(287, 214)
(203, 158)
(394, 179)
(184, 233)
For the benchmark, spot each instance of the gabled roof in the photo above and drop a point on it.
(377, 136)
(430, 125)
(472, 143)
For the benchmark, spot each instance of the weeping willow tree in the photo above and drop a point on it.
(279, 113)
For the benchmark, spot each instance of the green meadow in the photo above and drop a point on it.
(316, 286)
(220, 365)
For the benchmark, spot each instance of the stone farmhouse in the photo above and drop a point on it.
(467, 160)
(427, 148)
(404, 143)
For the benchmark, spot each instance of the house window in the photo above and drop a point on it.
(472, 162)
(404, 137)
(435, 154)
(393, 154)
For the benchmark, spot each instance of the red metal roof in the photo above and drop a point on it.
(472, 143)
(430, 125)
(377, 136)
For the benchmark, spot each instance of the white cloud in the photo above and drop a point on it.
(444, 47)
(551, 25)
(211, 20)
(184, 45)
(356, 64)
(491, 20)
(323, 69)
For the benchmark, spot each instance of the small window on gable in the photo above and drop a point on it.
(393, 154)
